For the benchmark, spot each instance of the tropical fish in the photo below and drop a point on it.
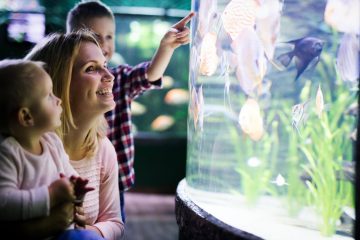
(176, 96)
(348, 58)
(305, 51)
(280, 180)
(268, 25)
(162, 123)
(343, 15)
(137, 108)
(251, 61)
(167, 82)
(319, 102)
(206, 16)
(250, 120)
(239, 14)
(353, 109)
(208, 56)
(299, 114)
(197, 107)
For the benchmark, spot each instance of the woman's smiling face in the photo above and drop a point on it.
(91, 83)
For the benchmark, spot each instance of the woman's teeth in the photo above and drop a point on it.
(105, 91)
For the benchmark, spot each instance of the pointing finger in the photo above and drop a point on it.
(181, 24)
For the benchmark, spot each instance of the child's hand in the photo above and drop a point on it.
(178, 34)
(60, 191)
(80, 188)
(79, 217)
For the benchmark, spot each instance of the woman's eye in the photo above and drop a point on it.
(90, 69)
(109, 37)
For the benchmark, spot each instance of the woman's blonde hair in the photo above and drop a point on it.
(59, 52)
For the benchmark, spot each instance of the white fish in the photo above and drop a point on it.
(239, 14)
(176, 96)
(162, 123)
(343, 15)
(319, 102)
(251, 61)
(268, 25)
(208, 56)
(347, 62)
(167, 81)
(250, 120)
(280, 180)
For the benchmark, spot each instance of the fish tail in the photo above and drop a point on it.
(286, 58)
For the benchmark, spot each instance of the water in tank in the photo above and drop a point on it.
(272, 115)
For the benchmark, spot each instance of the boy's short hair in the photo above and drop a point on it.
(17, 79)
(84, 11)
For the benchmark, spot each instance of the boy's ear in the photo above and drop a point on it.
(24, 117)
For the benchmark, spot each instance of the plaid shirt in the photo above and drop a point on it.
(129, 83)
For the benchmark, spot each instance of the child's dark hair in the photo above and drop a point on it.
(84, 11)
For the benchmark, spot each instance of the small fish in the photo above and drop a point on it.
(305, 51)
(343, 15)
(167, 81)
(239, 14)
(319, 102)
(250, 120)
(280, 181)
(250, 61)
(162, 123)
(137, 108)
(208, 56)
(196, 107)
(348, 59)
(299, 114)
(268, 25)
(176, 96)
(353, 135)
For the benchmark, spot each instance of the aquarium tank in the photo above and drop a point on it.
(272, 117)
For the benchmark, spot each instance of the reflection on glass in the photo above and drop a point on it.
(272, 115)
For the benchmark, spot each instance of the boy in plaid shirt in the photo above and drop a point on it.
(129, 82)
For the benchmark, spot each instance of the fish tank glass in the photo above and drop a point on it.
(273, 115)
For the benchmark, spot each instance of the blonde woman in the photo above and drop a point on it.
(82, 81)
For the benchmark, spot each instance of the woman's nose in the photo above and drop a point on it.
(107, 77)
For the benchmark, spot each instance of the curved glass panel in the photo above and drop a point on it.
(272, 115)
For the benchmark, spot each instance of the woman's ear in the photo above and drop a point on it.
(24, 117)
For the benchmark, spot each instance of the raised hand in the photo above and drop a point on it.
(178, 34)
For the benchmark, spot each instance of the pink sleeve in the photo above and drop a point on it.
(109, 218)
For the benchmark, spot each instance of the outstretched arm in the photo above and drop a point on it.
(177, 35)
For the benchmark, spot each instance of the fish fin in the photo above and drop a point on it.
(286, 58)
(295, 40)
(301, 65)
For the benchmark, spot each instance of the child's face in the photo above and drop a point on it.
(46, 109)
(104, 28)
(91, 83)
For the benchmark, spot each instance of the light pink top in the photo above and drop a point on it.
(25, 177)
(102, 205)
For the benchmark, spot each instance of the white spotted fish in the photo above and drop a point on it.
(268, 25)
(251, 61)
(280, 181)
(208, 56)
(343, 15)
(348, 58)
(250, 120)
(239, 14)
